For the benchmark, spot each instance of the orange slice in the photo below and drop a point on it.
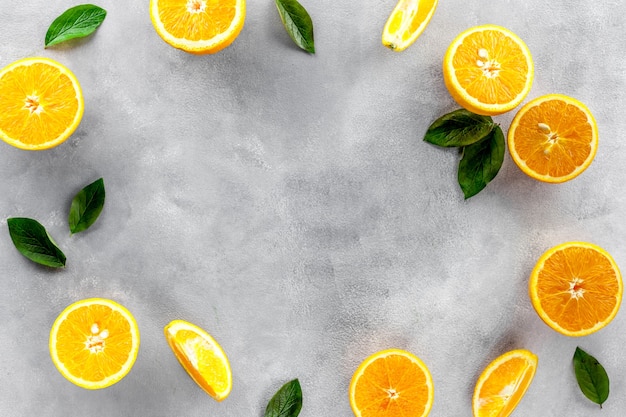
(198, 26)
(201, 356)
(41, 103)
(94, 342)
(488, 70)
(406, 23)
(576, 288)
(553, 138)
(503, 383)
(391, 382)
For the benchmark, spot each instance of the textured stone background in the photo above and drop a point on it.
(287, 204)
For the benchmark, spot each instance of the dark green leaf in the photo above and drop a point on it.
(591, 376)
(287, 402)
(481, 162)
(297, 22)
(76, 22)
(459, 128)
(86, 206)
(31, 240)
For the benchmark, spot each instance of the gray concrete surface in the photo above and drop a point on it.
(287, 204)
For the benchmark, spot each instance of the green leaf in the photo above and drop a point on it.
(31, 240)
(287, 402)
(86, 206)
(591, 376)
(297, 22)
(76, 22)
(459, 128)
(481, 162)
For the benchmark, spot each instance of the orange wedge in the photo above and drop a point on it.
(488, 70)
(406, 23)
(94, 342)
(41, 103)
(391, 382)
(576, 288)
(503, 383)
(201, 356)
(553, 138)
(198, 26)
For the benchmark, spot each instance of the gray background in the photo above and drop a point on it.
(287, 204)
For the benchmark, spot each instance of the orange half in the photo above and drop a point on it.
(198, 26)
(503, 383)
(576, 288)
(392, 382)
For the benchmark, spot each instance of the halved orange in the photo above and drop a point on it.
(94, 342)
(553, 138)
(41, 103)
(576, 288)
(406, 23)
(201, 356)
(198, 26)
(391, 382)
(503, 383)
(488, 70)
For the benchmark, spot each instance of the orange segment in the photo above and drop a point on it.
(41, 103)
(198, 26)
(488, 70)
(407, 21)
(576, 288)
(94, 343)
(392, 382)
(553, 138)
(503, 383)
(201, 356)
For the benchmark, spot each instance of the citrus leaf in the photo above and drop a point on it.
(87, 206)
(75, 22)
(287, 402)
(31, 240)
(591, 376)
(297, 22)
(459, 128)
(481, 162)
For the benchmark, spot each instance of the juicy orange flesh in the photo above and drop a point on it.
(504, 60)
(196, 20)
(583, 271)
(38, 103)
(559, 152)
(408, 16)
(504, 388)
(201, 360)
(392, 386)
(76, 333)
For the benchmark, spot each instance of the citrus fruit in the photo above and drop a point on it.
(406, 22)
(488, 70)
(391, 382)
(576, 288)
(201, 356)
(503, 383)
(198, 26)
(41, 103)
(553, 138)
(94, 342)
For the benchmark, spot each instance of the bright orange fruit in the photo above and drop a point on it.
(553, 138)
(488, 70)
(41, 103)
(576, 288)
(389, 383)
(406, 23)
(198, 26)
(94, 342)
(503, 383)
(201, 356)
